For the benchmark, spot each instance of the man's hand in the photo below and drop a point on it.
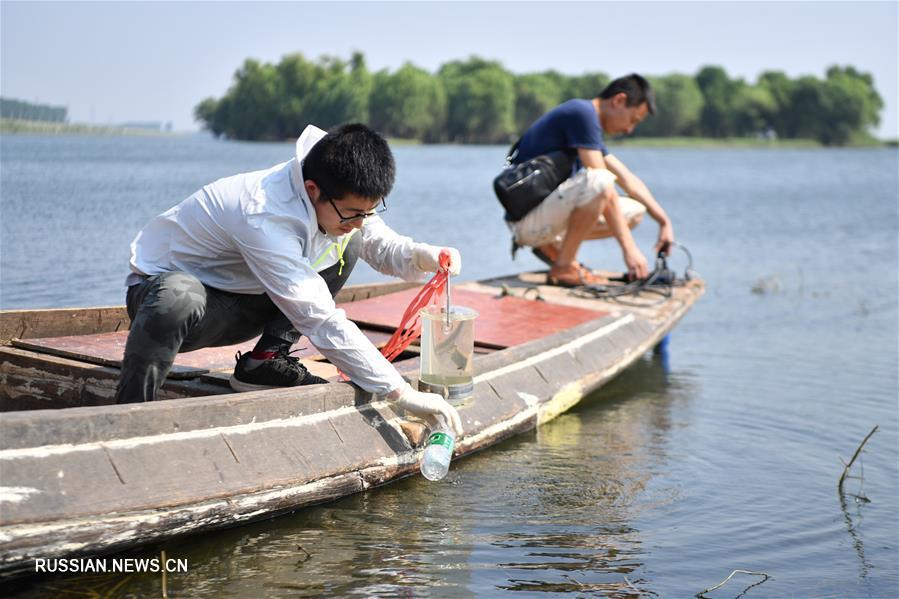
(666, 239)
(424, 405)
(637, 189)
(637, 267)
(426, 258)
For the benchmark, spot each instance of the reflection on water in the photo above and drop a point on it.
(854, 518)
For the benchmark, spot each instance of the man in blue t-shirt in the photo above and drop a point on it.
(586, 205)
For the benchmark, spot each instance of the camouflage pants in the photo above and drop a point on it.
(174, 312)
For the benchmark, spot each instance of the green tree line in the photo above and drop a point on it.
(26, 111)
(480, 101)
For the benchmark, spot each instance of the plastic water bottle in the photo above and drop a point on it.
(436, 458)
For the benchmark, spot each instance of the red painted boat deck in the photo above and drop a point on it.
(107, 349)
(502, 321)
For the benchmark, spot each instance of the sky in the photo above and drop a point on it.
(112, 62)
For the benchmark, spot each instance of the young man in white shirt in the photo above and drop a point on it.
(265, 253)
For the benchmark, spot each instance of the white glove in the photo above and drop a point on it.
(428, 404)
(426, 258)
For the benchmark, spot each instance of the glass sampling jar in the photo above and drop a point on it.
(447, 348)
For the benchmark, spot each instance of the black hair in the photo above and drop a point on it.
(351, 159)
(635, 87)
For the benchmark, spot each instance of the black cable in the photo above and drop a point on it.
(660, 281)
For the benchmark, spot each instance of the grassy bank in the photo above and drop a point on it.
(713, 142)
(737, 142)
(404, 141)
(40, 127)
(43, 127)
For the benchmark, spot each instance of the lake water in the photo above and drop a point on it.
(662, 483)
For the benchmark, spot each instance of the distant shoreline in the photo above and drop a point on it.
(10, 126)
(50, 128)
(701, 143)
(741, 142)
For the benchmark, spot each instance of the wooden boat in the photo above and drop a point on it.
(79, 476)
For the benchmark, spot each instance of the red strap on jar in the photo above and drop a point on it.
(410, 325)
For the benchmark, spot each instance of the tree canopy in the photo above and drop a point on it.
(27, 111)
(479, 101)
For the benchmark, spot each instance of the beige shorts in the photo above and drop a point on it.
(548, 222)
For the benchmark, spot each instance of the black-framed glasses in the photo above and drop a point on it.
(348, 219)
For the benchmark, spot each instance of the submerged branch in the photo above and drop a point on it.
(852, 461)
(638, 590)
(723, 582)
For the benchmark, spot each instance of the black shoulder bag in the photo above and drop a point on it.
(521, 187)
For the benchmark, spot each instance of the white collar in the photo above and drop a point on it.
(308, 138)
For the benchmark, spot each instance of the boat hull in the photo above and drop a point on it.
(94, 480)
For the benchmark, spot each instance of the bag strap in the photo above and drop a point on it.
(513, 152)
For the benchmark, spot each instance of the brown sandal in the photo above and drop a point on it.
(585, 277)
(550, 261)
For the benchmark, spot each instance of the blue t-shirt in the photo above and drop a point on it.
(570, 125)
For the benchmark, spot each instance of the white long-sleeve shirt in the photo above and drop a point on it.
(258, 233)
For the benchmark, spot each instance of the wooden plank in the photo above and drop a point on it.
(169, 474)
(526, 384)
(79, 483)
(93, 536)
(106, 349)
(502, 322)
(24, 324)
(103, 478)
(59, 322)
(326, 370)
(647, 305)
(359, 292)
(33, 381)
(106, 423)
(515, 287)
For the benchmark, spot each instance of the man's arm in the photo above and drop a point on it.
(633, 257)
(393, 254)
(637, 189)
(274, 256)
